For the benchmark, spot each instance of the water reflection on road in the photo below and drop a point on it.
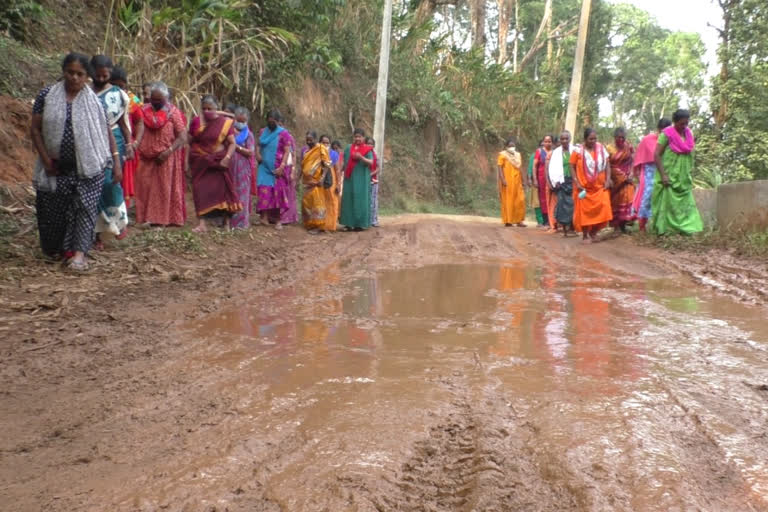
(617, 375)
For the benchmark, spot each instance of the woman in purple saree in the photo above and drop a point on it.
(275, 188)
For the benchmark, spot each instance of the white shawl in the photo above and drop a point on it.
(89, 127)
(591, 167)
(555, 169)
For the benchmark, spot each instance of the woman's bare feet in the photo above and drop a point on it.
(201, 227)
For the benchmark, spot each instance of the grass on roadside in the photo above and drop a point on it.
(23, 68)
(172, 240)
(753, 244)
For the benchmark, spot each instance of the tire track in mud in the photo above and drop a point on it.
(477, 456)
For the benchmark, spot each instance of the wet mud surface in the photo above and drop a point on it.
(432, 365)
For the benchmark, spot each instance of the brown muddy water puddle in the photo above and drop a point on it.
(643, 394)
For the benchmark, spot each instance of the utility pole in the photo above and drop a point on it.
(578, 67)
(381, 87)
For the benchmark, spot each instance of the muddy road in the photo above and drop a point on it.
(435, 364)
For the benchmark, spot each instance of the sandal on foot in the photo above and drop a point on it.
(78, 266)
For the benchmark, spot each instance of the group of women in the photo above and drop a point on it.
(102, 149)
(589, 186)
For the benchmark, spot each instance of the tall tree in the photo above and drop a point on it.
(574, 94)
(477, 12)
(504, 6)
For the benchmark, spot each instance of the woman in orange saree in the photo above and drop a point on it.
(211, 145)
(591, 197)
(623, 188)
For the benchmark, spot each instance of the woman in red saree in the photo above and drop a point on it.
(160, 184)
(623, 188)
(211, 145)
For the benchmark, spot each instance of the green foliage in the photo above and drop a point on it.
(17, 16)
(738, 140)
(652, 71)
(197, 46)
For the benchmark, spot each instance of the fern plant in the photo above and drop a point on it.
(16, 16)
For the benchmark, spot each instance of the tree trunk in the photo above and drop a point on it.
(517, 35)
(722, 111)
(477, 19)
(503, 29)
(574, 94)
(550, 45)
(538, 43)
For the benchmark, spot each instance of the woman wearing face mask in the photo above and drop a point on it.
(72, 138)
(160, 184)
(623, 188)
(211, 146)
(113, 215)
(511, 182)
(243, 167)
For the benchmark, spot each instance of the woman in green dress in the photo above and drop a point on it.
(356, 200)
(673, 206)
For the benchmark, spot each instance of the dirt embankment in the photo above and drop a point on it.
(16, 155)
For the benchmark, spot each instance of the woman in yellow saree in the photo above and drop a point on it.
(315, 167)
(332, 198)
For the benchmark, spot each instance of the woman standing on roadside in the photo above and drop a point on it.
(338, 168)
(592, 199)
(645, 167)
(273, 153)
(622, 186)
(356, 199)
(532, 193)
(160, 183)
(243, 167)
(540, 176)
(120, 79)
(113, 215)
(211, 146)
(561, 181)
(673, 205)
(374, 184)
(331, 186)
(73, 140)
(511, 183)
(315, 167)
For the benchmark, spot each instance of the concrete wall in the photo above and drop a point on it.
(743, 205)
(706, 201)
